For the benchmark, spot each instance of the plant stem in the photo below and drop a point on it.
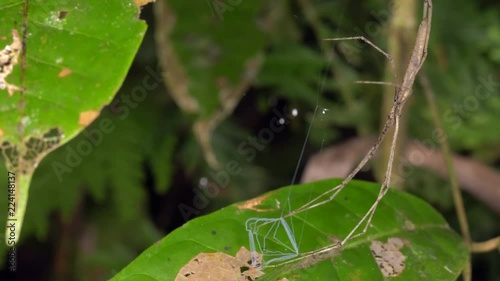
(455, 189)
(15, 216)
(401, 38)
(486, 246)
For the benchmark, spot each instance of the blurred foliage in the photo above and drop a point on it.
(151, 164)
(62, 93)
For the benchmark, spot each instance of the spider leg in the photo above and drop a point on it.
(323, 199)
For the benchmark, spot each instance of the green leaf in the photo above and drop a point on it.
(433, 251)
(294, 70)
(61, 74)
(208, 68)
(206, 55)
(121, 181)
(162, 164)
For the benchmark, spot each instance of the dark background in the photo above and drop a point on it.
(126, 194)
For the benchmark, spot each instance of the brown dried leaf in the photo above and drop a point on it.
(8, 59)
(219, 267)
(388, 256)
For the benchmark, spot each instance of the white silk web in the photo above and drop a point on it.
(273, 240)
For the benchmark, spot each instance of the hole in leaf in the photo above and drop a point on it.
(62, 14)
(244, 268)
(25, 159)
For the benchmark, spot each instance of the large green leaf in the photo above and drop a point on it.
(74, 59)
(433, 251)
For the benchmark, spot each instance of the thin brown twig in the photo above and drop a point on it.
(455, 189)
(401, 35)
(486, 246)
